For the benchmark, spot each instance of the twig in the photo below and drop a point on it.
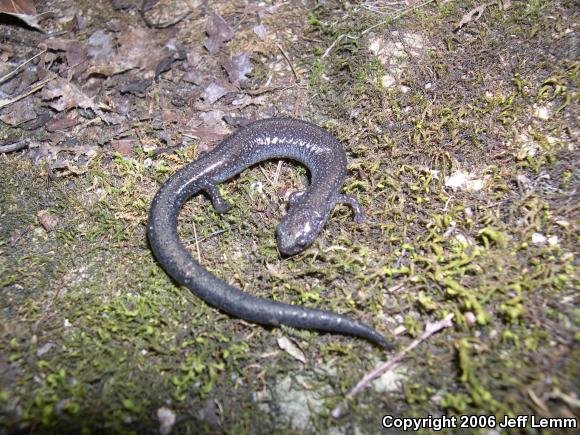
(264, 89)
(6, 102)
(392, 17)
(277, 174)
(289, 62)
(383, 7)
(430, 329)
(329, 49)
(14, 146)
(399, 15)
(196, 244)
(215, 233)
(266, 175)
(13, 72)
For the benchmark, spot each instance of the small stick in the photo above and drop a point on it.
(397, 16)
(215, 233)
(266, 175)
(278, 170)
(289, 63)
(14, 146)
(329, 49)
(5, 102)
(13, 72)
(430, 329)
(196, 243)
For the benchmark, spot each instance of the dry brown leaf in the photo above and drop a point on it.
(237, 67)
(137, 48)
(218, 32)
(124, 147)
(100, 46)
(6, 52)
(213, 92)
(20, 112)
(476, 13)
(292, 349)
(48, 220)
(61, 124)
(74, 53)
(24, 10)
(63, 95)
(24, 7)
(208, 134)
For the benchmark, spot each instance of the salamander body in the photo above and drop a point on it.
(308, 211)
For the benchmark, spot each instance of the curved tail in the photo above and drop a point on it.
(178, 262)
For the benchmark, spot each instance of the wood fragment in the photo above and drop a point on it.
(289, 63)
(430, 329)
(14, 146)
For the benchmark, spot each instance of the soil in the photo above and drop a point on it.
(460, 122)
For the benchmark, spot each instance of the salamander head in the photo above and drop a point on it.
(298, 229)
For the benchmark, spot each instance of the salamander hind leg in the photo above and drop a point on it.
(219, 203)
(359, 215)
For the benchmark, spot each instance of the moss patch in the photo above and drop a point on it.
(96, 337)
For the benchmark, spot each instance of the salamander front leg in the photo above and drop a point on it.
(219, 203)
(359, 215)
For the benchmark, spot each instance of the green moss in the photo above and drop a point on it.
(96, 337)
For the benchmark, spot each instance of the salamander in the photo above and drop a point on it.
(308, 211)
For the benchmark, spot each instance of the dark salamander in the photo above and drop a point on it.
(308, 212)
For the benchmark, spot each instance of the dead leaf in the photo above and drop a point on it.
(206, 134)
(473, 15)
(213, 92)
(195, 77)
(260, 31)
(124, 147)
(42, 118)
(48, 220)
(24, 10)
(166, 63)
(238, 67)
(119, 5)
(137, 48)
(60, 124)
(292, 349)
(74, 52)
(31, 20)
(100, 46)
(6, 52)
(476, 13)
(63, 95)
(213, 117)
(149, 4)
(25, 7)
(20, 112)
(136, 87)
(218, 32)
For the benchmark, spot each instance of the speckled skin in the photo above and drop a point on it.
(262, 140)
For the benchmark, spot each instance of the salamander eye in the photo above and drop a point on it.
(302, 242)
